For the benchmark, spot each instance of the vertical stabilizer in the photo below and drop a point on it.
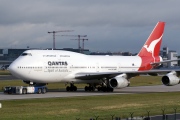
(152, 46)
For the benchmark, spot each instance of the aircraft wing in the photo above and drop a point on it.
(153, 72)
(100, 75)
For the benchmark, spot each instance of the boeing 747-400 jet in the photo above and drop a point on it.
(103, 73)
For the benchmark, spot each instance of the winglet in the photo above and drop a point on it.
(153, 43)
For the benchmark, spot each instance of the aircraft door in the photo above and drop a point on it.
(97, 67)
(119, 67)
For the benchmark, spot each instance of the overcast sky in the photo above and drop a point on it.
(110, 25)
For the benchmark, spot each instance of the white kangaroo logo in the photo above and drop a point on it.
(152, 45)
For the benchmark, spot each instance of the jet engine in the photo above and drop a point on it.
(170, 79)
(119, 81)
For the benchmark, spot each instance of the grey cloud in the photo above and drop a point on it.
(109, 24)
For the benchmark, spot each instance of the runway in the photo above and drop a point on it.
(80, 92)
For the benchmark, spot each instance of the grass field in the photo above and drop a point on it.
(88, 107)
(4, 72)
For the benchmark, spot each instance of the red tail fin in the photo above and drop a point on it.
(153, 43)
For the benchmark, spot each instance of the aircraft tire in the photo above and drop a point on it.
(67, 88)
(99, 88)
(104, 89)
(109, 89)
(75, 88)
(92, 88)
(86, 88)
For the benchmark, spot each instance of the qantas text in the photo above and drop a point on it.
(51, 63)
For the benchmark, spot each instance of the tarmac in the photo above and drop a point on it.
(80, 92)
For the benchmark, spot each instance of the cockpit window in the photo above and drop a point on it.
(26, 54)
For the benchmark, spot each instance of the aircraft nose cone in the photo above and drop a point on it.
(12, 68)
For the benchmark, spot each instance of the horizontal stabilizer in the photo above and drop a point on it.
(165, 61)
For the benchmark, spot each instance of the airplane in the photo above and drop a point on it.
(104, 73)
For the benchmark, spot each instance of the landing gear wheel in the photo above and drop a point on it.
(89, 88)
(71, 88)
(74, 88)
(86, 88)
(111, 89)
(106, 89)
(67, 88)
(99, 88)
(92, 88)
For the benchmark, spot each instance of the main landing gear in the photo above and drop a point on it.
(89, 88)
(71, 87)
(105, 89)
(102, 87)
(92, 87)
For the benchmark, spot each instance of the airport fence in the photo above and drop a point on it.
(163, 116)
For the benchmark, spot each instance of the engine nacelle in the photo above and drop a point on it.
(170, 79)
(119, 81)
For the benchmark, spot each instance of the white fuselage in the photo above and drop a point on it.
(46, 66)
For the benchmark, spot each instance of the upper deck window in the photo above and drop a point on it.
(26, 54)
